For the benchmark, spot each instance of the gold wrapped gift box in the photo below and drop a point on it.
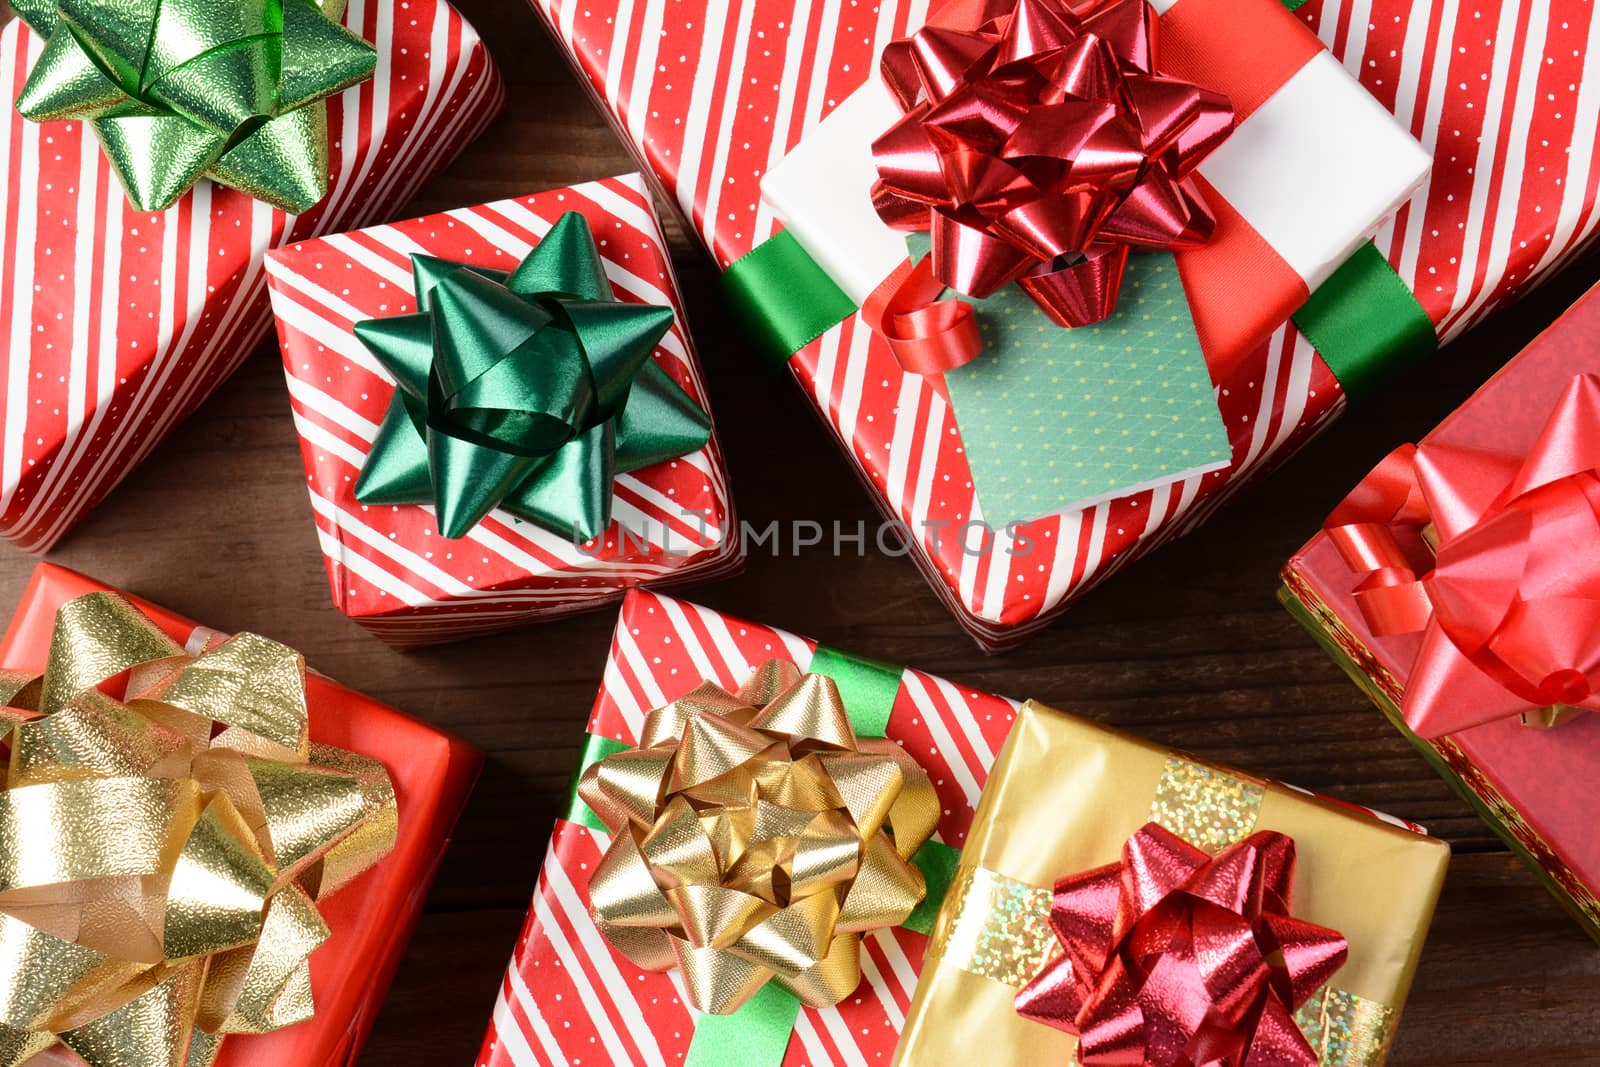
(1063, 798)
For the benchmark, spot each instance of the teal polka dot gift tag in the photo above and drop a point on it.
(1056, 419)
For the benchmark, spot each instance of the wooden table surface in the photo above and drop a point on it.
(1187, 647)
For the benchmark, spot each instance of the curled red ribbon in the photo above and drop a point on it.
(1038, 148)
(1179, 959)
(1510, 609)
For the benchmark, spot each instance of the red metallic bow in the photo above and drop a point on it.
(1178, 959)
(1039, 148)
(1510, 611)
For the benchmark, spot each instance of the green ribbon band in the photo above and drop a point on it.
(529, 391)
(757, 1035)
(179, 90)
(782, 298)
(595, 749)
(867, 687)
(1365, 323)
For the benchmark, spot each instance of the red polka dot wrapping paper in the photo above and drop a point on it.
(115, 324)
(569, 999)
(1503, 93)
(388, 565)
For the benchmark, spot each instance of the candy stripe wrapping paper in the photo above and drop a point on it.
(568, 997)
(388, 566)
(1495, 90)
(116, 324)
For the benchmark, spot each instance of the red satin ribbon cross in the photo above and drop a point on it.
(1179, 959)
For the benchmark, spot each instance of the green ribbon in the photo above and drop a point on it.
(758, 1033)
(595, 749)
(1365, 323)
(179, 90)
(938, 862)
(529, 391)
(782, 298)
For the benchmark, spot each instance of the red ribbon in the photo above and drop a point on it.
(1178, 959)
(1038, 148)
(1510, 609)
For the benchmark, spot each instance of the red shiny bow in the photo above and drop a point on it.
(1038, 148)
(1510, 611)
(1178, 959)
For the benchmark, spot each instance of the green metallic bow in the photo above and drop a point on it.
(529, 391)
(178, 90)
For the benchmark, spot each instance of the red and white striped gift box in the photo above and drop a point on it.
(115, 324)
(389, 568)
(1495, 90)
(568, 998)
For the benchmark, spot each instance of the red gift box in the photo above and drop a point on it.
(1497, 93)
(389, 567)
(115, 324)
(1531, 786)
(372, 918)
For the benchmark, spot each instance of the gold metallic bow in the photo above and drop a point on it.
(164, 840)
(755, 838)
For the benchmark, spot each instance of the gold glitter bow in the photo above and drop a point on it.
(756, 837)
(164, 841)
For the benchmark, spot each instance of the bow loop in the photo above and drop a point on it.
(755, 837)
(529, 391)
(1459, 485)
(1130, 30)
(178, 90)
(616, 340)
(564, 264)
(1510, 607)
(1568, 446)
(1030, 145)
(1035, 28)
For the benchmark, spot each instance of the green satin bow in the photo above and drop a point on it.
(529, 391)
(178, 90)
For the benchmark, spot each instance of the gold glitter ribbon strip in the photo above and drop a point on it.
(167, 828)
(756, 837)
(999, 928)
